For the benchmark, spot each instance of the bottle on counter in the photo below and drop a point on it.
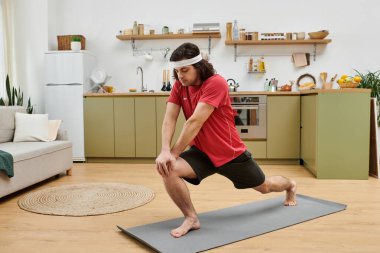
(235, 29)
(135, 28)
(266, 84)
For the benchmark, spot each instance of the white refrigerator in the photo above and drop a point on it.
(67, 78)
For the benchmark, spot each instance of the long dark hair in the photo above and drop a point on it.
(188, 51)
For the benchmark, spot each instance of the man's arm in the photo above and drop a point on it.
(168, 125)
(192, 127)
(165, 159)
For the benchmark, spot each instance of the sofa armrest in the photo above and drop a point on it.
(62, 135)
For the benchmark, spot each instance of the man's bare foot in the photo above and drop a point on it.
(291, 195)
(187, 225)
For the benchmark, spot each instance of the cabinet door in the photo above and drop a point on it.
(257, 148)
(145, 126)
(124, 114)
(309, 131)
(99, 127)
(160, 109)
(283, 127)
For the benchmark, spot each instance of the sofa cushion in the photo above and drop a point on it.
(7, 121)
(53, 129)
(27, 150)
(31, 127)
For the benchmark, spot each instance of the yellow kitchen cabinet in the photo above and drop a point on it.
(160, 110)
(124, 118)
(257, 148)
(335, 134)
(145, 126)
(99, 127)
(283, 127)
(309, 131)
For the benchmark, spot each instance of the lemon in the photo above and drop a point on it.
(357, 79)
(340, 81)
(343, 76)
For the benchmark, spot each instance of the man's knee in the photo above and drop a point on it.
(263, 188)
(174, 171)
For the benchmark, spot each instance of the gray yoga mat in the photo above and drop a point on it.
(232, 224)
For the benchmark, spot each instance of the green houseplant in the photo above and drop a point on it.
(76, 43)
(371, 80)
(15, 97)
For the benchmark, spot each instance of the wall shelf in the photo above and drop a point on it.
(169, 36)
(276, 42)
(133, 38)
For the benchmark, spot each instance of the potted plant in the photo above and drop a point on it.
(371, 81)
(15, 98)
(76, 43)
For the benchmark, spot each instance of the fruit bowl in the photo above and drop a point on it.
(348, 85)
(320, 35)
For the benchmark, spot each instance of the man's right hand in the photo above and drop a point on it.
(165, 162)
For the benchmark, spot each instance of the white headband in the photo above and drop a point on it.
(187, 62)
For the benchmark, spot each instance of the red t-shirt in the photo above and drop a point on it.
(218, 137)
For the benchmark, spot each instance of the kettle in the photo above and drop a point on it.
(232, 85)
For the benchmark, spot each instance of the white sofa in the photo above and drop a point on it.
(32, 161)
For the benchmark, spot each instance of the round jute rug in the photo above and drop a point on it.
(86, 199)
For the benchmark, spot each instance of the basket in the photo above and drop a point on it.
(64, 41)
(320, 35)
(348, 85)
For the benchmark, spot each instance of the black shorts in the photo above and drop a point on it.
(243, 171)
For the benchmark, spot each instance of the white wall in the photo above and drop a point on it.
(352, 25)
(30, 42)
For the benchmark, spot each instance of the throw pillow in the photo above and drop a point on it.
(53, 129)
(7, 121)
(31, 127)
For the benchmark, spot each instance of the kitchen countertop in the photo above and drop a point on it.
(282, 93)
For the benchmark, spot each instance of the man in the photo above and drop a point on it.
(210, 131)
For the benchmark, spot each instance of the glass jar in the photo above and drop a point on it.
(242, 34)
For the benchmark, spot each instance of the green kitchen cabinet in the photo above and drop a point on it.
(145, 126)
(124, 118)
(257, 148)
(160, 110)
(309, 131)
(335, 134)
(99, 127)
(283, 127)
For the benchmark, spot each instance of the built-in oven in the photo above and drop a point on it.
(250, 112)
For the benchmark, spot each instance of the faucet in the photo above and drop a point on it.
(143, 89)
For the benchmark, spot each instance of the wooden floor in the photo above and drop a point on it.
(356, 229)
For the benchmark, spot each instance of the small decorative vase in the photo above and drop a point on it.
(75, 45)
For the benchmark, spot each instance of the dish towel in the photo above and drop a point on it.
(6, 163)
(300, 59)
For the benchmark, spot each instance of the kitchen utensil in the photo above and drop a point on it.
(327, 86)
(318, 35)
(99, 76)
(333, 78)
(229, 31)
(286, 87)
(323, 76)
(165, 30)
(168, 85)
(273, 85)
(163, 80)
(306, 85)
(348, 85)
(300, 36)
(148, 56)
(232, 85)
